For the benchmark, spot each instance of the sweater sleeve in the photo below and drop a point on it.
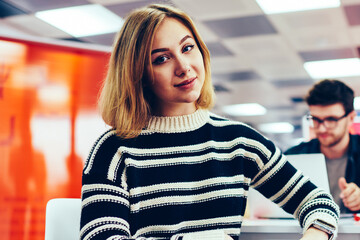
(105, 201)
(105, 210)
(279, 181)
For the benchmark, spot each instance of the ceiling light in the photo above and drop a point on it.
(247, 109)
(281, 6)
(333, 68)
(277, 127)
(85, 20)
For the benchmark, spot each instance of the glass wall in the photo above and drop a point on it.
(48, 123)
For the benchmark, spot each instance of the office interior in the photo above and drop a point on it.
(263, 60)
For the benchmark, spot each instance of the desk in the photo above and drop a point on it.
(290, 229)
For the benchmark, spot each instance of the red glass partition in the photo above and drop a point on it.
(48, 122)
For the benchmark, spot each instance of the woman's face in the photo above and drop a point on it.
(178, 69)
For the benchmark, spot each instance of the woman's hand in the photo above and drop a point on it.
(314, 234)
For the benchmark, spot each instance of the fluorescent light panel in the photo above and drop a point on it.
(282, 6)
(277, 127)
(81, 21)
(246, 109)
(333, 68)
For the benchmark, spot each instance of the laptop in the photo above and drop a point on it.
(312, 165)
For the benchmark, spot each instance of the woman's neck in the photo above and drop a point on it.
(173, 110)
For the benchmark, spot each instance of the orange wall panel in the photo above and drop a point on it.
(48, 121)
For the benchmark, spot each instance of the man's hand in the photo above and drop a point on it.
(314, 234)
(350, 194)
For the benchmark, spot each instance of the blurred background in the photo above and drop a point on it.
(265, 56)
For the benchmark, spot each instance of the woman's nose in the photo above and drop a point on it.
(182, 67)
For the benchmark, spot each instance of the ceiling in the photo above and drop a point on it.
(256, 58)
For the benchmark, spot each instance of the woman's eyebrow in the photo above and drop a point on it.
(159, 50)
(167, 49)
(184, 38)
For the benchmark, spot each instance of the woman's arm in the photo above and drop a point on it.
(105, 200)
(279, 181)
(105, 212)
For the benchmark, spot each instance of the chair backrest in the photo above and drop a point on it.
(63, 219)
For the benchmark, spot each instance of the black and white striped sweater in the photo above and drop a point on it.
(189, 174)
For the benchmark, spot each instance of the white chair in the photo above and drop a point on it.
(63, 219)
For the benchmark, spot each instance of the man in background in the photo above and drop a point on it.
(331, 113)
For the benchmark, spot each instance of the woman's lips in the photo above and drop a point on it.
(186, 82)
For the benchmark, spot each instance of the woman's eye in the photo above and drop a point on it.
(188, 48)
(160, 60)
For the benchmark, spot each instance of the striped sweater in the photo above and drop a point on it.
(189, 175)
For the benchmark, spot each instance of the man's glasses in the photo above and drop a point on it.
(329, 122)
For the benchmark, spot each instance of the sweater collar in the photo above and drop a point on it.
(174, 124)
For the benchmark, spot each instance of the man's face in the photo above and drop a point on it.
(330, 136)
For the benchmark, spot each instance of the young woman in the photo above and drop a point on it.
(170, 169)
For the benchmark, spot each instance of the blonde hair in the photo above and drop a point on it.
(124, 103)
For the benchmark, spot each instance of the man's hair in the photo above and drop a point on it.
(331, 91)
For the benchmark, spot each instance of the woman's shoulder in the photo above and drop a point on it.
(238, 129)
(106, 138)
(222, 121)
(103, 149)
